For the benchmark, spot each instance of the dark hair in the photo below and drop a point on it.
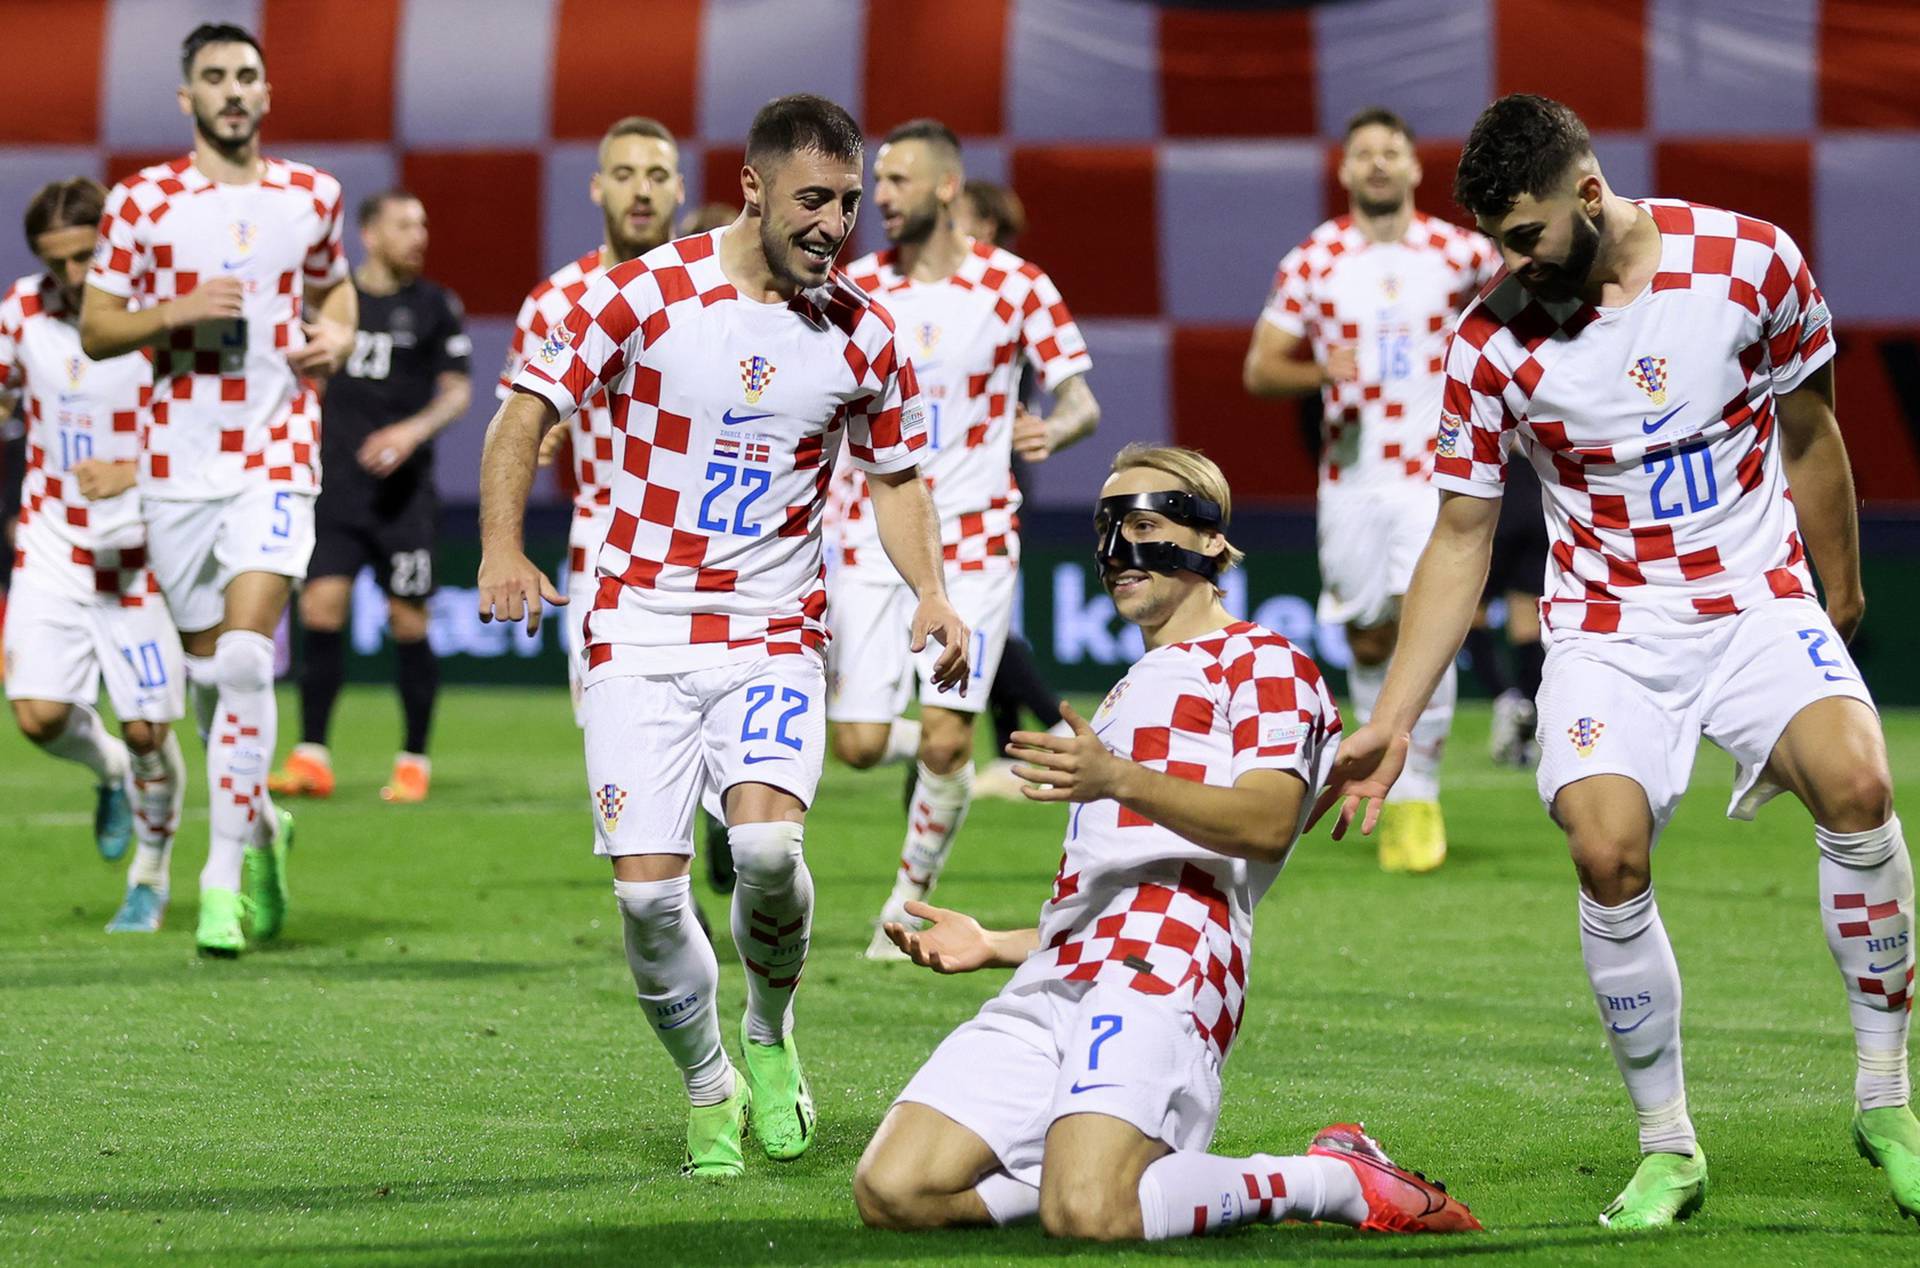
(803, 122)
(1370, 115)
(1521, 144)
(636, 125)
(213, 33)
(67, 204)
(373, 204)
(1000, 205)
(931, 131)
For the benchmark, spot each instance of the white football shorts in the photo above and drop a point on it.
(1052, 1048)
(1370, 538)
(655, 743)
(871, 673)
(61, 648)
(1638, 706)
(196, 548)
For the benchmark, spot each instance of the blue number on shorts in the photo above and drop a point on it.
(149, 667)
(1111, 1023)
(799, 706)
(1815, 639)
(979, 654)
(75, 446)
(757, 695)
(1703, 489)
(282, 514)
(756, 480)
(760, 695)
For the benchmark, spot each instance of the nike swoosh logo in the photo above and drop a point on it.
(1618, 1029)
(731, 419)
(683, 1021)
(1885, 968)
(751, 758)
(1665, 418)
(233, 264)
(1078, 1088)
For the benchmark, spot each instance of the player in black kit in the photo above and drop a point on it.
(406, 380)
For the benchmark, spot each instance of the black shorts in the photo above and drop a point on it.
(357, 524)
(1520, 539)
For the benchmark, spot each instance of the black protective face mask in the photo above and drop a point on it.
(1113, 549)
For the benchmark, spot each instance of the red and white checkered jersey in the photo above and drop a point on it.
(967, 336)
(1393, 304)
(589, 428)
(1135, 904)
(1651, 425)
(74, 409)
(728, 415)
(226, 405)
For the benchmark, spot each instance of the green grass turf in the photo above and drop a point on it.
(443, 1061)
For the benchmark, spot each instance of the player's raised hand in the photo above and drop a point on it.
(329, 344)
(1342, 364)
(1364, 768)
(1030, 439)
(214, 299)
(550, 446)
(1077, 767)
(935, 618)
(512, 588)
(953, 943)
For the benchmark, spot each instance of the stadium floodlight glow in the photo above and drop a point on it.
(1110, 519)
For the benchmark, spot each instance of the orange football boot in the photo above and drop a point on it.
(308, 772)
(1398, 1200)
(411, 774)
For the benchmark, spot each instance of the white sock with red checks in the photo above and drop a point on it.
(772, 921)
(86, 740)
(676, 977)
(238, 751)
(159, 789)
(1866, 907)
(934, 815)
(1637, 986)
(1420, 781)
(1187, 1193)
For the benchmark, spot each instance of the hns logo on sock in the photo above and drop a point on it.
(1650, 375)
(756, 375)
(609, 800)
(1585, 734)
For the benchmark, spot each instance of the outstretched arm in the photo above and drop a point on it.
(1274, 366)
(954, 942)
(910, 533)
(510, 586)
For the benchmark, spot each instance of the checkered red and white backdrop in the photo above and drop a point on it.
(1168, 154)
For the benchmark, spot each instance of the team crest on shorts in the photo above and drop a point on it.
(1585, 733)
(1447, 445)
(756, 374)
(1649, 374)
(609, 800)
(555, 342)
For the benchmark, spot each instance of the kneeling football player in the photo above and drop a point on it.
(1086, 1092)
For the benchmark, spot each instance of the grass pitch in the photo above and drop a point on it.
(442, 1060)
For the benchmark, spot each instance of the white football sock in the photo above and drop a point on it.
(1008, 1201)
(159, 789)
(934, 815)
(1363, 684)
(1420, 781)
(1637, 987)
(1866, 908)
(1187, 1193)
(86, 740)
(903, 741)
(238, 751)
(676, 978)
(203, 693)
(772, 920)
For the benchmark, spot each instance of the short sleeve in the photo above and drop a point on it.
(1468, 454)
(888, 432)
(1799, 328)
(120, 256)
(13, 370)
(529, 332)
(1050, 340)
(326, 262)
(1288, 302)
(1279, 716)
(595, 343)
(453, 347)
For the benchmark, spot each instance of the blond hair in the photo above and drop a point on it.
(1196, 473)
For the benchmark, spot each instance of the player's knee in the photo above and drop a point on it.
(1612, 869)
(1373, 645)
(243, 661)
(766, 855)
(1857, 798)
(887, 1196)
(143, 737)
(1089, 1207)
(859, 746)
(655, 912)
(947, 752)
(41, 721)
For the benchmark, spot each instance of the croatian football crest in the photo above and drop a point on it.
(927, 336)
(1448, 443)
(1585, 733)
(1649, 374)
(76, 370)
(243, 234)
(609, 800)
(1390, 288)
(555, 342)
(1112, 701)
(756, 375)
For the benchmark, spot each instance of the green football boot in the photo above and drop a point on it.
(714, 1133)
(1890, 1139)
(267, 878)
(1665, 1190)
(783, 1106)
(219, 933)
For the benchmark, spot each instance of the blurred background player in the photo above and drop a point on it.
(227, 267)
(405, 382)
(1679, 406)
(706, 218)
(1516, 573)
(1371, 295)
(968, 314)
(83, 605)
(1086, 1092)
(638, 189)
(728, 359)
